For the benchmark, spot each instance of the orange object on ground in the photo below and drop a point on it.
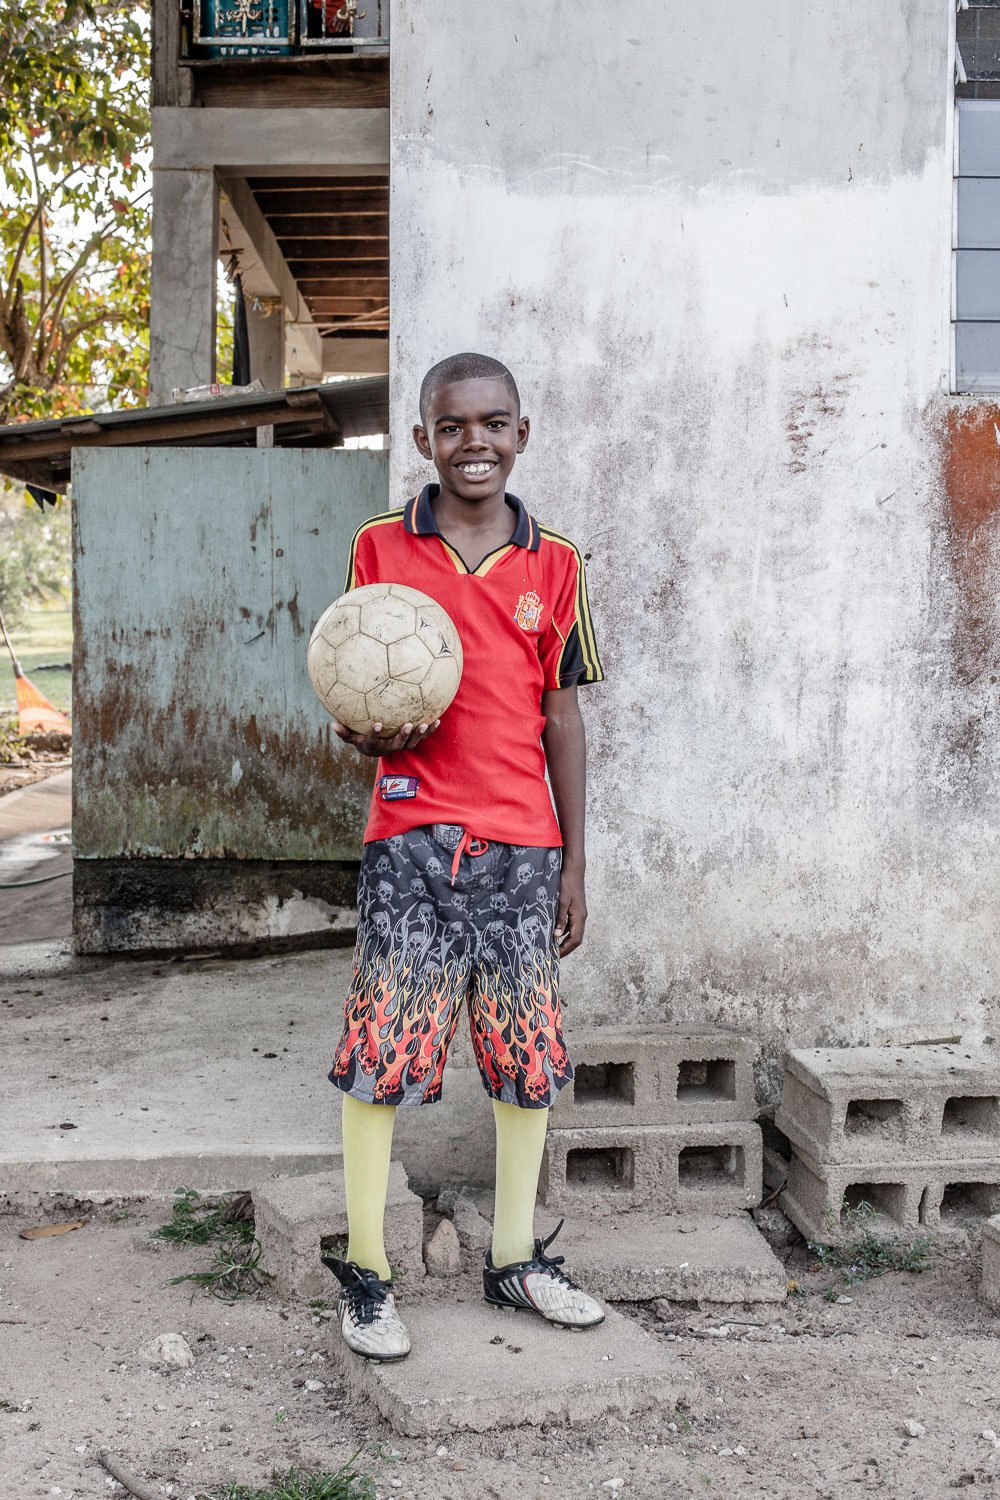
(35, 714)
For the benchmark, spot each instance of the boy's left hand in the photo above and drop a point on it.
(572, 917)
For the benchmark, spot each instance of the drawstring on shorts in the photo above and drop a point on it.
(467, 845)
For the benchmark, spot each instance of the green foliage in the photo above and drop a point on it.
(235, 1272)
(12, 745)
(197, 1221)
(863, 1253)
(348, 1483)
(74, 209)
(35, 558)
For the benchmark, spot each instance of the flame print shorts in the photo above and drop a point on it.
(425, 944)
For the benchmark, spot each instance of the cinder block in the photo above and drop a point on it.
(989, 1287)
(634, 1076)
(636, 1256)
(921, 1197)
(674, 1168)
(294, 1218)
(881, 1104)
(477, 1368)
(777, 1153)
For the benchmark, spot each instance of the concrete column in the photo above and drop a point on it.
(266, 330)
(185, 252)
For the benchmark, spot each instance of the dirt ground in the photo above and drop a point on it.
(807, 1399)
(37, 767)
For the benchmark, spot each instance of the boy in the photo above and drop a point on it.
(463, 891)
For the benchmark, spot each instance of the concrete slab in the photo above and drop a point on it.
(878, 1104)
(43, 805)
(295, 1216)
(210, 1073)
(476, 1368)
(635, 1257)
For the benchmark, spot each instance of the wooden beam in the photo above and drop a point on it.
(344, 181)
(189, 422)
(373, 248)
(268, 82)
(328, 226)
(343, 307)
(329, 276)
(343, 286)
(319, 200)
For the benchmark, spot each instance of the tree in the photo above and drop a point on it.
(35, 548)
(74, 209)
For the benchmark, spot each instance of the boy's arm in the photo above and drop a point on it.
(565, 746)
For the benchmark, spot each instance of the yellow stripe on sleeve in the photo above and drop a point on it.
(585, 624)
(352, 562)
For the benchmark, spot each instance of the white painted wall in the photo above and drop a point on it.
(713, 245)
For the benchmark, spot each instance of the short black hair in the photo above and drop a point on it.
(465, 367)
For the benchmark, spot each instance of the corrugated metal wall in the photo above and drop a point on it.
(198, 577)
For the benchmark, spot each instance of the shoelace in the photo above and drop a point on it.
(365, 1295)
(551, 1263)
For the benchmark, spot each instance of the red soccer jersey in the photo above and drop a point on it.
(524, 623)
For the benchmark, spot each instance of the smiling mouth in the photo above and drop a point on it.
(475, 470)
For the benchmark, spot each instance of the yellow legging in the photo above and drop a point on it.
(367, 1137)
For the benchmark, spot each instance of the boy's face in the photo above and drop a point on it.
(474, 433)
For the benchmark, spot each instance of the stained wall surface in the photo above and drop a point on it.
(713, 243)
(198, 577)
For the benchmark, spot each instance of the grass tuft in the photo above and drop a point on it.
(234, 1274)
(863, 1254)
(198, 1221)
(235, 1271)
(348, 1483)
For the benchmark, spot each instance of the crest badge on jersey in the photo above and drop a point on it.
(528, 611)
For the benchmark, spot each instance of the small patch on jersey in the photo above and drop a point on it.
(398, 788)
(528, 611)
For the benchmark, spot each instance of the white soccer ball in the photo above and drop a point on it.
(385, 654)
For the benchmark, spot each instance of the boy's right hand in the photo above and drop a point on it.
(375, 744)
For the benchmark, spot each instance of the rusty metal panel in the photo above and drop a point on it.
(198, 577)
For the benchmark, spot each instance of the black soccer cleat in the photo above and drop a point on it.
(369, 1322)
(541, 1286)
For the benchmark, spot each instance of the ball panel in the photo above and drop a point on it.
(409, 660)
(440, 685)
(389, 619)
(338, 624)
(348, 707)
(362, 663)
(395, 703)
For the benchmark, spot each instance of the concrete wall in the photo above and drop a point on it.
(714, 246)
(198, 577)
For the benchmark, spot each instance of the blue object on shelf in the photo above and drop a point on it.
(242, 28)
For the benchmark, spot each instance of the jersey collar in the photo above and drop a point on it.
(418, 518)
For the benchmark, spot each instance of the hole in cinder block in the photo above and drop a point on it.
(971, 1114)
(604, 1083)
(969, 1200)
(774, 1139)
(705, 1078)
(881, 1118)
(703, 1167)
(887, 1199)
(600, 1167)
(924, 1212)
